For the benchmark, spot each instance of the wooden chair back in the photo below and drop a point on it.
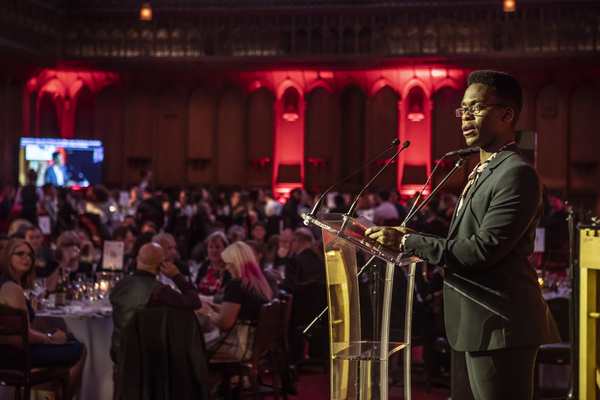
(14, 337)
(269, 330)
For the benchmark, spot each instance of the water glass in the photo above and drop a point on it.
(39, 286)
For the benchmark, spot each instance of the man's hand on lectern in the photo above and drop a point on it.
(389, 236)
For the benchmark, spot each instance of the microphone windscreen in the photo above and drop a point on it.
(406, 144)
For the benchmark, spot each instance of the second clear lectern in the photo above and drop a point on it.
(370, 290)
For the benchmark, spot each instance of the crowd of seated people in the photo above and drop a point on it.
(242, 249)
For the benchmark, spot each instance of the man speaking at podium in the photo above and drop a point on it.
(494, 309)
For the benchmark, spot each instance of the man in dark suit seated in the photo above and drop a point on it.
(169, 245)
(305, 280)
(57, 173)
(142, 290)
(495, 315)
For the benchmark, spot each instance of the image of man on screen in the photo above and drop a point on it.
(57, 173)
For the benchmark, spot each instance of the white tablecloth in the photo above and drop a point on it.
(95, 332)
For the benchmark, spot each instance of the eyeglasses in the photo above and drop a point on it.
(475, 109)
(70, 245)
(23, 254)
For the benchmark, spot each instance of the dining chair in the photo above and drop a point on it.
(266, 353)
(14, 344)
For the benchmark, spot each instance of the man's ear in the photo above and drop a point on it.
(509, 114)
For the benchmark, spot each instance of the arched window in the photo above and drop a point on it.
(147, 43)
(177, 43)
(132, 44)
(162, 43)
(102, 44)
(116, 43)
(364, 40)
(430, 39)
(301, 41)
(349, 41)
(193, 44)
(332, 41)
(317, 43)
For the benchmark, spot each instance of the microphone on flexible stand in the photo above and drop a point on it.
(463, 152)
(352, 209)
(319, 202)
(348, 215)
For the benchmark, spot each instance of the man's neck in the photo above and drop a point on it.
(153, 272)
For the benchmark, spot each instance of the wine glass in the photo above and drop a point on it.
(79, 284)
(39, 286)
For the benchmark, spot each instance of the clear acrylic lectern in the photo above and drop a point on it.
(362, 297)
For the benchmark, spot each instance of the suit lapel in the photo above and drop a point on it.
(487, 172)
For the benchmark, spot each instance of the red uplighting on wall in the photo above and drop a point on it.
(63, 86)
(413, 89)
(416, 116)
(290, 114)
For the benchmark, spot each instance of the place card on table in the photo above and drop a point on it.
(45, 224)
(112, 258)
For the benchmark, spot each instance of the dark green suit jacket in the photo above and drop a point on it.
(492, 299)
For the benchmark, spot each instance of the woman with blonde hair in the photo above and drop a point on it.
(237, 316)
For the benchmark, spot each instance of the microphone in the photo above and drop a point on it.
(463, 152)
(319, 203)
(355, 204)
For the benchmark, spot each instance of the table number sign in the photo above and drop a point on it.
(112, 258)
(45, 224)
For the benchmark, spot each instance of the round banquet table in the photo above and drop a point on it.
(94, 330)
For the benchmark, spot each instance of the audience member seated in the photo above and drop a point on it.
(132, 202)
(272, 206)
(212, 274)
(284, 249)
(259, 232)
(128, 220)
(236, 233)
(17, 273)
(90, 253)
(68, 254)
(127, 235)
(129, 259)
(340, 205)
(385, 210)
(44, 254)
(149, 226)
(271, 253)
(142, 290)
(395, 200)
(272, 276)
(150, 209)
(167, 242)
(304, 279)
(236, 318)
(18, 227)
